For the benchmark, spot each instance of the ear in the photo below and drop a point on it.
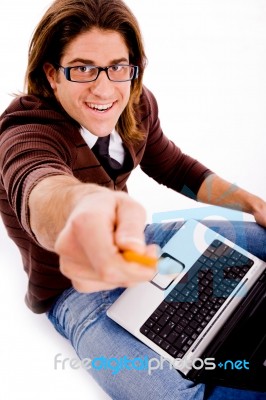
(51, 74)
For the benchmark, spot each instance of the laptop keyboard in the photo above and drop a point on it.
(192, 303)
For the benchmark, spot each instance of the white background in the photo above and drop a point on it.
(207, 68)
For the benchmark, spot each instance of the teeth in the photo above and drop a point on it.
(100, 107)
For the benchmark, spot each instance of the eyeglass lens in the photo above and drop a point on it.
(90, 73)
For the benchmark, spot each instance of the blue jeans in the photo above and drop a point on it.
(81, 318)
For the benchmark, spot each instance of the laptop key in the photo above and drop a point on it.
(179, 343)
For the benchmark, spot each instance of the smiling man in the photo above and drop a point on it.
(97, 106)
(68, 146)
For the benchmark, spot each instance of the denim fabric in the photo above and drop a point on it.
(81, 318)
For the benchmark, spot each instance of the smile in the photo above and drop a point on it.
(100, 107)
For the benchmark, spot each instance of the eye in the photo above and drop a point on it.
(117, 67)
(84, 68)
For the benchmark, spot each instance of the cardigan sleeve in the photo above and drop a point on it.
(31, 150)
(164, 161)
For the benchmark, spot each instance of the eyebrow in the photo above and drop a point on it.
(90, 62)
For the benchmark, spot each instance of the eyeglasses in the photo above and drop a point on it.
(89, 73)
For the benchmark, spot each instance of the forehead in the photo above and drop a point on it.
(96, 45)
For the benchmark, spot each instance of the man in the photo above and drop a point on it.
(64, 202)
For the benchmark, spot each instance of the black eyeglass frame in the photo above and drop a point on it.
(66, 71)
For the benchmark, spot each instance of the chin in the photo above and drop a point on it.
(99, 132)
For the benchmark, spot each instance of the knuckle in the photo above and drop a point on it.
(106, 275)
(64, 268)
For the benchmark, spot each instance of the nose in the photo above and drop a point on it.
(102, 87)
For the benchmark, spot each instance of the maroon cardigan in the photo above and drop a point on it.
(38, 140)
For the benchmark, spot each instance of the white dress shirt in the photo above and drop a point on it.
(116, 149)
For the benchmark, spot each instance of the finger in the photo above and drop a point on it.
(73, 269)
(87, 240)
(66, 243)
(153, 250)
(131, 220)
(115, 272)
(90, 286)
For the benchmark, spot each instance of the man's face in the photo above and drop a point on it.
(85, 102)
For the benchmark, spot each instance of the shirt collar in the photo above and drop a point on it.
(89, 138)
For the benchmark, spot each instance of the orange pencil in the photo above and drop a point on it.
(149, 262)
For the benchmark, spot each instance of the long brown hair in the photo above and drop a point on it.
(66, 19)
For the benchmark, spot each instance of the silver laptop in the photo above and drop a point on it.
(206, 288)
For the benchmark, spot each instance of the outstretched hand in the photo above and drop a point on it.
(101, 226)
